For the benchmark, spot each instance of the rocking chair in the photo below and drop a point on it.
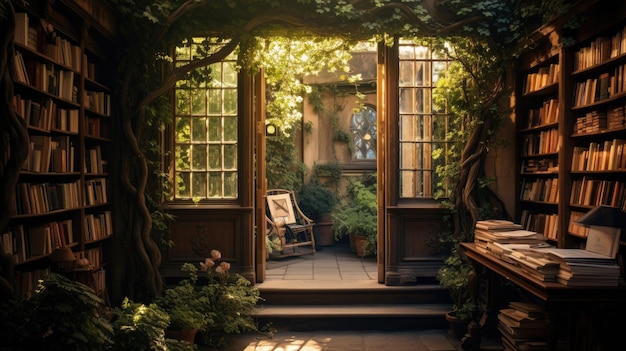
(285, 219)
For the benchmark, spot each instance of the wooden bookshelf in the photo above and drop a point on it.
(539, 140)
(571, 127)
(62, 91)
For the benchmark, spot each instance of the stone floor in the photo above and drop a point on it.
(284, 340)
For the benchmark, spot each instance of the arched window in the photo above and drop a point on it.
(363, 126)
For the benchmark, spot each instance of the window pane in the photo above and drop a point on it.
(215, 129)
(198, 185)
(230, 128)
(183, 157)
(183, 180)
(183, 99)
(215, 185)
(230, 74)
(230, 102)
(198, 157)
(215, 157)
(198, 129)
(407, 100)
(230, 184)
(216, 73)
(183, 130)
(407, 75)
(198, 102)
(230, 157)
(215, 101)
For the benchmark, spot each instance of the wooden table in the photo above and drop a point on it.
(594, 307)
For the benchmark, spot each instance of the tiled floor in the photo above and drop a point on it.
(332, 263)
(334, 267)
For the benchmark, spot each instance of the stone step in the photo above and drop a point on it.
(355, 317)
(342, 293)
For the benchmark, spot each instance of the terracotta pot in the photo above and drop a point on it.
(324, 232)
(359, 244)
(185, 335)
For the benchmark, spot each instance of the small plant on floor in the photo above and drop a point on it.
(182, 303)
(357, 212)
(140, 327)
(228, 298)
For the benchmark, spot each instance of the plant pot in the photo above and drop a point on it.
(324, 232)
(184, 335)
(458, 327)
(360, 241)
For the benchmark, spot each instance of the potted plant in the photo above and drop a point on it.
(227, 298)
(457, 275)
(317, 202)
(356, 215)
(184, 307)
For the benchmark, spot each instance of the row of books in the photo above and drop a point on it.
(43, 38)
(524, 326)
(548, 113)
(94, 163)
(96, 191)
(98, 226)
(45, 197)
(46, 77)
(600, 120)
(98, 102)
(50, 154)
(542, 223)
(543, 142)
(46, 115)
(587, 191)
(96, 128)
(605, 156)
(540, 165)
(575, 229)
(601, 50)
(540, 189)
(605, 86)
(544, 76)
(24, 242)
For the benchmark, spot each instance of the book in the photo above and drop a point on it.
(497, 224)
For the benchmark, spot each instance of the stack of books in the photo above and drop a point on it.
(523, 326)
(578, 267)
(489, 232)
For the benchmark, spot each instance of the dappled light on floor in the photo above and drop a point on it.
(290, 344)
